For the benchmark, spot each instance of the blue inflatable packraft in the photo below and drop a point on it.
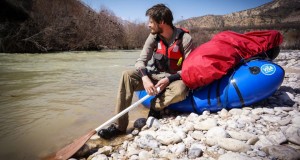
(249, 83)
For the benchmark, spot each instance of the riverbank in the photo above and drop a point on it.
(267, 130)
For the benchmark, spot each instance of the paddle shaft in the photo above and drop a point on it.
(122, 113)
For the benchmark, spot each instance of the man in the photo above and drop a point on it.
(159, 65)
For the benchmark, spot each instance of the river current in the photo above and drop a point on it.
(48, 100)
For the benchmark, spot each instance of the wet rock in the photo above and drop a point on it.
(139, 123)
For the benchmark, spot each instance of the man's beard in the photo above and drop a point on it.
(157, 31)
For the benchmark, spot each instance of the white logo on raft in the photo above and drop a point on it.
(268, 69)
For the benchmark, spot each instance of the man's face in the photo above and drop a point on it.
(154, 27)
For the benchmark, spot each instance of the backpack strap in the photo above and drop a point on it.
(179, 39)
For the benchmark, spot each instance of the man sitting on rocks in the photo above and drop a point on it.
(159, 65)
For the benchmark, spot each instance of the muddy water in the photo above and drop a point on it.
(47, 100)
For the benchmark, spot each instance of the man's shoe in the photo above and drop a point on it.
(154, 113)
(110, 132)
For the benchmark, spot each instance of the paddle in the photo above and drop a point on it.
(72, 148)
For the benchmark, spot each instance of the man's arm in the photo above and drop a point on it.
(187, 43)
(142, 62)
(146, 53)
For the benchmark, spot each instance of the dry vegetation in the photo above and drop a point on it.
(60, 25)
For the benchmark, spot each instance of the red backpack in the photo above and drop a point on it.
(212, 60)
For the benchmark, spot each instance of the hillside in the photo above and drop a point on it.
(279, 14)
(278, 11)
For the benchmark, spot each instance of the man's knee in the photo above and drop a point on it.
(179, 89)
(127, 73)
(175, 92)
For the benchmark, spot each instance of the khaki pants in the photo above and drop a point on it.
(131, 81)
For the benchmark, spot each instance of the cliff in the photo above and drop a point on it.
(281, 15)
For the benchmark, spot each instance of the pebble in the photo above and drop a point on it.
(267, 130)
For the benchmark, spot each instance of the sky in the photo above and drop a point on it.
(134, 10)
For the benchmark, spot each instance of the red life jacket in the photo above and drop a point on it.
(169, 59)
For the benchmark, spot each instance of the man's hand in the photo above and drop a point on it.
(149, 86)
(163, 83)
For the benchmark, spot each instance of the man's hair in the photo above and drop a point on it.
(159, 13)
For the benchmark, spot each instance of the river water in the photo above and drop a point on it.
(48, 100)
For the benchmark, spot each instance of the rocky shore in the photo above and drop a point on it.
(267, 130)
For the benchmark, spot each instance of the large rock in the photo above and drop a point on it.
(244, 136)
(147, 142)
(206, 124)
(214, 134)
(263, 142)
(277, 137)
(168, 137)
(233, 145)
(282, 152)
(296, 121)
(293, 134)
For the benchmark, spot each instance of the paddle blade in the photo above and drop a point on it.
(72, 148)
